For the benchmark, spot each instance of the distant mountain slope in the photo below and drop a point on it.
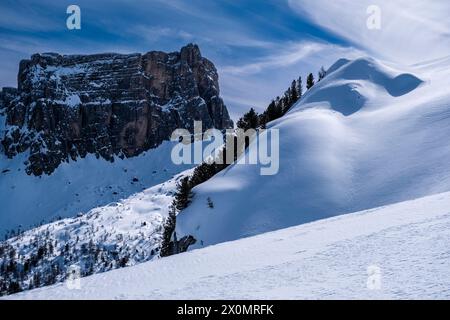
(120, 234)
(394, 252)
(77, 187)
(82, 131)
(367, 135)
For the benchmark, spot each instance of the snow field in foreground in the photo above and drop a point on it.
(328, 259)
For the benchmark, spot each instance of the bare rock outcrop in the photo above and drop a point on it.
(68, 106)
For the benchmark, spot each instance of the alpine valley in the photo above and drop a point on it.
(87, 181)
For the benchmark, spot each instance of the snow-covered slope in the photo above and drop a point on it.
(369, 134)
(77, 187)
(120, 234)
(394, 252)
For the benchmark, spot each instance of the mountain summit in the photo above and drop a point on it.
(68, 106)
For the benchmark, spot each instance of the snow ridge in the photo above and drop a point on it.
(368, 134)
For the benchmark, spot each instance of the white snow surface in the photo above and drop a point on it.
(73, 100)
(133, 227)
(368, 135)
(77, 187)
(406, 243)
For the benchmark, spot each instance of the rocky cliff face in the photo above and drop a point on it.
(6, 96)
(66, 107)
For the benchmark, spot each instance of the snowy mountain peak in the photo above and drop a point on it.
(350, 84)
(339, 63)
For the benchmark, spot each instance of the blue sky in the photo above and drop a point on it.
(258, 46)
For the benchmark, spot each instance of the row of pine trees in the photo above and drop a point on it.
(48, 260)
(251, 120)
(280, 105)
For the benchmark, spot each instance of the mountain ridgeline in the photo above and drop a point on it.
(68, 106)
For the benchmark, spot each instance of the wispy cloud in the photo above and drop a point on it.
(289, 55)
(254, 84)
(155, 33)
(411, 31)
(257, 46)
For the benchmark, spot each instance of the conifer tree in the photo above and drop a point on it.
(288, 99)
(322, 73)
(299, 87)
(250, 120)
(273, 111)
(309, 81)
(210, 203)
(294, 92)
(183, 195)
(262, 120)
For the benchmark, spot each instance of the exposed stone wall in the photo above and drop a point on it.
(107, 104)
